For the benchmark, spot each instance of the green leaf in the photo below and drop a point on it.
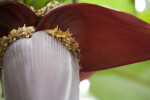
(122, 5)
(125, 83)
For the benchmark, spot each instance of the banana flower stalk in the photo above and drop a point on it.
(41, 67)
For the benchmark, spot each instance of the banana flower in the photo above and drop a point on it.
(40, 67)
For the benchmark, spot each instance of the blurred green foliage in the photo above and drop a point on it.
(125, 6)
(130, 82)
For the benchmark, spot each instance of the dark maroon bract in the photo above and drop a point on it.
(14, 15)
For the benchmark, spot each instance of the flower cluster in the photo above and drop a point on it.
(26, 32)
(66, 39)
(41, 12)
(15, 34)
